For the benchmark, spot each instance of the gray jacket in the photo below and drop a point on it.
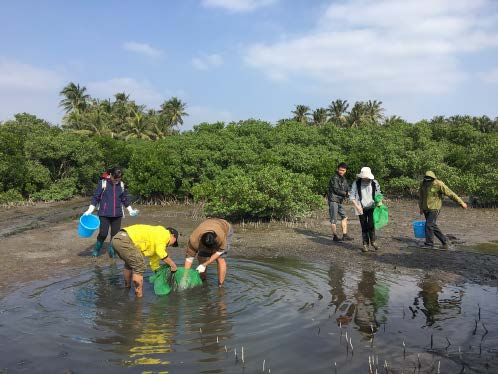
(338, 189)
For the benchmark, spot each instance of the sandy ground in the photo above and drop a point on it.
(41, 241)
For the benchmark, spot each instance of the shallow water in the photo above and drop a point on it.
(286, 315)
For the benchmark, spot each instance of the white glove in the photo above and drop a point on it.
(201, 268)
(90, 209)
(132, 212)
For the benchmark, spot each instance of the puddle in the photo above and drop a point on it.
(280, 314)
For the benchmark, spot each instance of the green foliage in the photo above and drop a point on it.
(271, 192)
(60, 190)
(246, 169)
(154, 170)
(10, 196)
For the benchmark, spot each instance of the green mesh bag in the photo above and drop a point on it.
(186, 278)
(183, 279)
(161, 280)
(380, 214)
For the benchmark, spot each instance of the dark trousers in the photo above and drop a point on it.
(367, 225)
(105, 222)
(431, 227)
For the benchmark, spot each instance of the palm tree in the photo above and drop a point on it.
(121, 111)
(373, 111)
(301, 113)
(337, 110)
(172, 111)
(357, 114)
(392, 120)
(76, 99)
(137, 126)
(122, 97)
(320, 116)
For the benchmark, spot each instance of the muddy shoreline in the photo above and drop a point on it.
(41, 242)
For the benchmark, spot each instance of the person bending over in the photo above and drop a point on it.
(210, 242)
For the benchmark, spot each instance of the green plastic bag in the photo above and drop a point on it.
(161, 280)
(165, 281)
(380, 214)
(185, 279)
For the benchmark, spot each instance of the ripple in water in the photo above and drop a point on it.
(286, 315)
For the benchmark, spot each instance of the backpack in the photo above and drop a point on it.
(104, 185)
(358, 188)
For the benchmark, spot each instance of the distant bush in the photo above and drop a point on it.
(248, 169)
(272, 192)
(60, 190)
(10, 196)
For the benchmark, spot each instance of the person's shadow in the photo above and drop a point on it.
(324, 239)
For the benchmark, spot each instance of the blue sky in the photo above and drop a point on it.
(231, 60)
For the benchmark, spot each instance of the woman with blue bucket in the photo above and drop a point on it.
(430, 202)
(111, 197)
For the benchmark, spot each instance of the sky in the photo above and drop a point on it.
(232, 60)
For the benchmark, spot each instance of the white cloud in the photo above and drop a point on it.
(238, 5)
(207, 62)
(384, 46)
(25, 77)
(31, 89)
(140, 91)
(142, 48)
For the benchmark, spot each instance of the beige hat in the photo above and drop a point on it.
(431, 174)
(365, 173)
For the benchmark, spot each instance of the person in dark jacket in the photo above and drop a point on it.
(111, 197)
(337, 192)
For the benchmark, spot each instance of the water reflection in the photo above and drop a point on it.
(362, 306)
(433, 304)
(286, 312)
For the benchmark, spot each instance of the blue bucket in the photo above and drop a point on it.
(419, 229)
(88, 224)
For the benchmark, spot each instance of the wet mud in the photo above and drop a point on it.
(294, 299)
(41, 241)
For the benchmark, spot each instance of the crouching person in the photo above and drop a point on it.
(210, 242)
(133, 243)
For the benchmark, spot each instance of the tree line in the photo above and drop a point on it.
(248, 169)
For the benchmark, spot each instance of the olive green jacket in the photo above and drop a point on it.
(431, 195)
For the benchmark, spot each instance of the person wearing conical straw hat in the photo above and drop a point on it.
(362, 196)
(430, 202)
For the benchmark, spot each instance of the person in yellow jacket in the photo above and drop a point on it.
(430, 202)
(133, 243)
(210, 242)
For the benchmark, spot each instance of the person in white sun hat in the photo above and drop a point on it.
(362, 196)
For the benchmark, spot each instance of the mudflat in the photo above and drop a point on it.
(40, 241)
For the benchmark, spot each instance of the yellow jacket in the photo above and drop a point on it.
(151, 240)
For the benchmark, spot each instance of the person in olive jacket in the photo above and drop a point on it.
(430, 202)
(337, 192)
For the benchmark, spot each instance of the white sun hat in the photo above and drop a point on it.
(365, 173)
